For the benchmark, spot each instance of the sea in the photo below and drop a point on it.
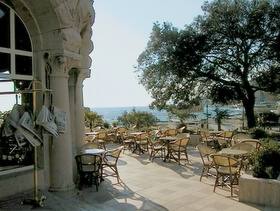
(111, 114)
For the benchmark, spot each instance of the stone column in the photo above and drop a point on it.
(76, 79)
(61, 177)
(77, 105)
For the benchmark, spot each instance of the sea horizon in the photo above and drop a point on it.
(110, 114)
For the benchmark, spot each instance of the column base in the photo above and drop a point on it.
(54, 189)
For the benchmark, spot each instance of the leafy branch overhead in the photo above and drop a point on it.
(225, 55)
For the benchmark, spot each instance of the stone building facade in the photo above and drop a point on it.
(60, 36)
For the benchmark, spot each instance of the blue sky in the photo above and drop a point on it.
(120, 34)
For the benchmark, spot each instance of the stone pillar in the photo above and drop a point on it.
(77, 105)
(61, 169)
(76, 79)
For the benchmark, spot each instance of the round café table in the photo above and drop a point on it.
(236, 153)
(233, 152)
(94, 151)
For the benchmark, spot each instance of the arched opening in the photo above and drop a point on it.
(16, 74)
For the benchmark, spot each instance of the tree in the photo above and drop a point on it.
(226, 55)
(220, 115)
(138, 119)
(92, 119)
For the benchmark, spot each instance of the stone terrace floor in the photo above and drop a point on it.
(158, 186)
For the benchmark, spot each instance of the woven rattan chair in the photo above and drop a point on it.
(171, 132)
(89, 169)
(227, 171)
(109, 166)
(101, 137)
(254, 142)
(120, 131)
(127, 139)
(156, 147)
(141, 142)
(206, 137)
(245, 158)
(225, 138)
(178, 148)
(207, 161)
(238, 137)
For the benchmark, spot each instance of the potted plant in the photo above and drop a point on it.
(262, 186)
(265, 162)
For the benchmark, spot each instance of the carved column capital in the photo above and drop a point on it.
(83, 74)
(60, 65)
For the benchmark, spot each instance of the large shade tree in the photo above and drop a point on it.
(225, 55)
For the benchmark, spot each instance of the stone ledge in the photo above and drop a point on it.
(259, 191)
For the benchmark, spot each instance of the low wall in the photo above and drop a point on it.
(18, 181)
(259, 191)
(194, 140)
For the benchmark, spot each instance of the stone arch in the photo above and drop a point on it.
(58, 27)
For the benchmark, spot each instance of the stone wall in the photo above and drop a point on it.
(260, 191)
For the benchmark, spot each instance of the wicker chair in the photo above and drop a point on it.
(89, 169)
(225, 138)
(141, 142)
(254, 142)
(207, 161)
(245, 158)
(120, 131)
(110, 161)
(171, 132)
(179, 148)
(127, 139)
(156, 148)
(206, 137)
(228, 171)
(101, 137)
(238, 137)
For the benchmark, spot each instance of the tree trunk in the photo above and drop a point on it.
(249, 111)
(249, 103)
(219, 122)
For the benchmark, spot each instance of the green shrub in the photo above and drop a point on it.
(269, 141)
(258, 133)
(275, 136)
(106, 125)
(265, 162)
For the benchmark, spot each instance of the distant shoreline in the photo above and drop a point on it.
(110, 114)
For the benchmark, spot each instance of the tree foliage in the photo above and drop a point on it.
(220, 114)
(92, 119)
(138, 119)
(265, 161)
(225, 55)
